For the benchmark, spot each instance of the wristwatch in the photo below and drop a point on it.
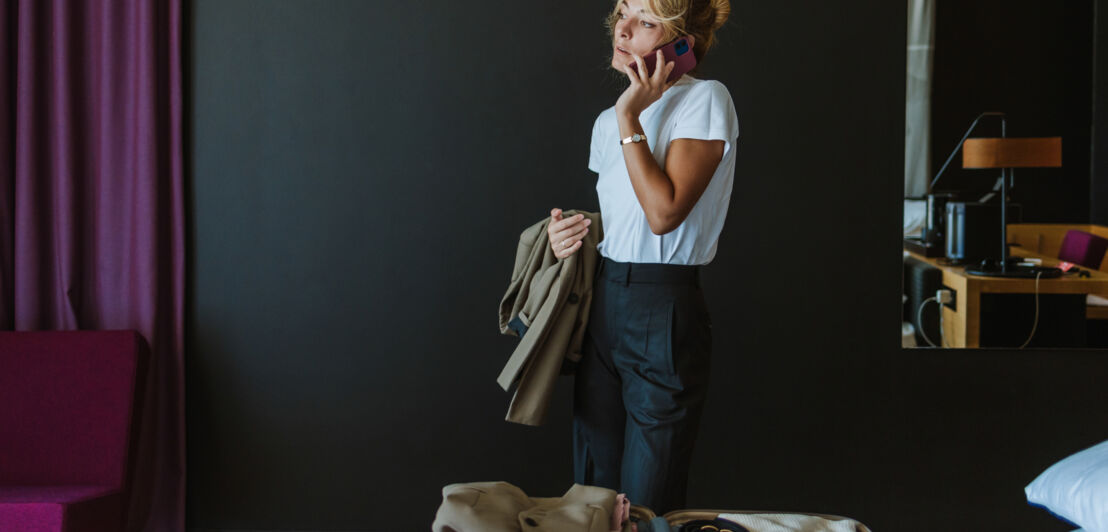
(637, 137)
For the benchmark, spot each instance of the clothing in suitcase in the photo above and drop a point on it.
(502, 507)
(753, 521)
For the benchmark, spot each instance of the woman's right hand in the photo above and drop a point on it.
(566, 234)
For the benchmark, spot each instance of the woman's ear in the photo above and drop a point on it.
(692, 39)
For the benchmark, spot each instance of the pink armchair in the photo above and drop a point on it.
(69, 409)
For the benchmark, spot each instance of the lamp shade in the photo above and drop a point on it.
(1030, 152)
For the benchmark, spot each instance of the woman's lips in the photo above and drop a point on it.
(622, 51)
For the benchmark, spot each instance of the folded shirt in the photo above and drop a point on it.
(502, 507)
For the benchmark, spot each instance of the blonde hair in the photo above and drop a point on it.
(699, 18)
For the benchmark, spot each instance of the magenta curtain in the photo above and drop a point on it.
(91, 200)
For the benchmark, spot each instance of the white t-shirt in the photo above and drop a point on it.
(690, 109)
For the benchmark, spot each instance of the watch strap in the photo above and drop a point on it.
(637, 137)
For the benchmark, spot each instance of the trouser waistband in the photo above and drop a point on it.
(638, 272)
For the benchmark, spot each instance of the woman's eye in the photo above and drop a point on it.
(647, 24)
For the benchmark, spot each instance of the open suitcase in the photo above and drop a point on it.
(753, 521)
(502, 507)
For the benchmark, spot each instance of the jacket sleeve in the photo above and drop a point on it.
(519, 289)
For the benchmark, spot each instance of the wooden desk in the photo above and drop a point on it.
(962, 326)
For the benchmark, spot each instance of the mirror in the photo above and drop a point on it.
(1010, 70)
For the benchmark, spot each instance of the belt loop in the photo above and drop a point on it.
(627, 277)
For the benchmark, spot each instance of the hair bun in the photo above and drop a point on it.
(704, 18)
(722, 10)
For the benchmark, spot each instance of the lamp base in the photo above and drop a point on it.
(992, 268)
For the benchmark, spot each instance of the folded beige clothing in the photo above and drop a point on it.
(502, 507)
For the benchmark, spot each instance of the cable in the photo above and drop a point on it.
(1036, 324)
(1003, 126)
(919, 320)
(942, 330)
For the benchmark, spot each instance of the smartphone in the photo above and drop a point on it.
(678, 51)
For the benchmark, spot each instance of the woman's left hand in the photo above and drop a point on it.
(644, 89)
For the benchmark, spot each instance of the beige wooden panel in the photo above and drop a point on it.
(1044, 239)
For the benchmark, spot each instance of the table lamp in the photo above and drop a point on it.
(1007, 153)
(933, 231)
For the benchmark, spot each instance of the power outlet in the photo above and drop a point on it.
(944, 296)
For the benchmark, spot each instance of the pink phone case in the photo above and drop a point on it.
(677, 51)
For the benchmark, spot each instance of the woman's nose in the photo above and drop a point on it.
(623, 29)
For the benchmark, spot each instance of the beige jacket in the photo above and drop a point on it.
(548, 301)
(502, 507)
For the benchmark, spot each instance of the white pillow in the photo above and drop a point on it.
(1076, 489)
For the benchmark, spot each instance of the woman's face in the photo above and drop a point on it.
(634, 31)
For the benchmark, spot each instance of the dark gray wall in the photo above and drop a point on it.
(361, 171)
(1098, 198)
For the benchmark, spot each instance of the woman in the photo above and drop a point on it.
(640, 387)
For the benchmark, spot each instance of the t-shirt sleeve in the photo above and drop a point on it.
(708, 114)
(596, 152)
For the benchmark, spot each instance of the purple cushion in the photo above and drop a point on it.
(1085, 249)
(60, 508)
(66, 404)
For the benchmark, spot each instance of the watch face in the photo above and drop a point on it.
(637, 137)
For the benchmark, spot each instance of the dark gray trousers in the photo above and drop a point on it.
(640, 387)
